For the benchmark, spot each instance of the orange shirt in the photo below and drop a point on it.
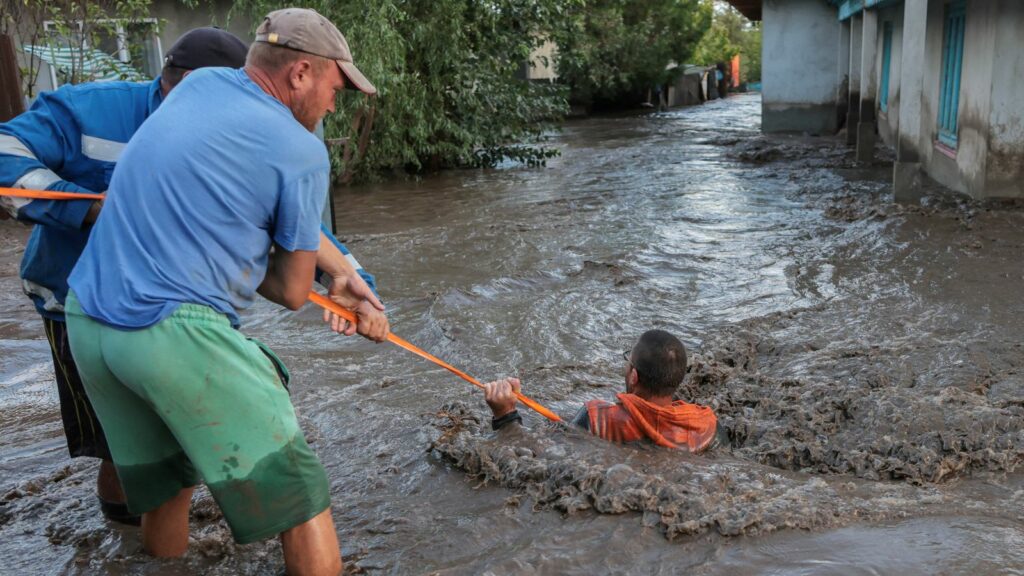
(679, 425)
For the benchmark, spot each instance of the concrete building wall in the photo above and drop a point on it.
(843, 74)
(809, 54)
(988, 161)
(1005, 166)
(939, 163)
(976, 95)
(799, 66)
(888, 120)
(966, 169)
(541, 65)
(855, 54)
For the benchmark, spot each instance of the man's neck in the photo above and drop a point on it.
(656, 400)
(268, 84)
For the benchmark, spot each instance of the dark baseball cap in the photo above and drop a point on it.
(307, 31)
(203, 47)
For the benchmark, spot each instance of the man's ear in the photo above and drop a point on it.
(299, 73)
(631, 380)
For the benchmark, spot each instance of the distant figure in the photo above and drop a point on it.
(722, 76)
(655, 367)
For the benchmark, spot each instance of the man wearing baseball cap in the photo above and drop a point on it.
(70, 140)
(232, 181)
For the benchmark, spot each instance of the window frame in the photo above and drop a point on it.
(123, 48)
(883, 96)
(954, 29)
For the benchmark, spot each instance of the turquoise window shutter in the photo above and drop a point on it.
(952, 63)
(883, 98)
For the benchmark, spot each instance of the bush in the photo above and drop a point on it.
(448, 72)
(617, 49)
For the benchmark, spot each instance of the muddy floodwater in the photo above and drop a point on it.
(865, 359)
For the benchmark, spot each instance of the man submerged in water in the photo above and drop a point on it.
(655, 368)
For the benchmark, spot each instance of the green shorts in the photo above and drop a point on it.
(191, 398)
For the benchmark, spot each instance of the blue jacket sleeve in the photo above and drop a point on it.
(33, 149)
(370, 280)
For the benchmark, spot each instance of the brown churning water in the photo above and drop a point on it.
(865, 358)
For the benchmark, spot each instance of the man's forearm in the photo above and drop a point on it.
(330, 259)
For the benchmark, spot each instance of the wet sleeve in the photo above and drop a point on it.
(366, 276)
(297, 216)
(582, 419)
(499, 423)
(33, 148)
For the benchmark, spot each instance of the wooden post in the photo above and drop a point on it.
(11, 102)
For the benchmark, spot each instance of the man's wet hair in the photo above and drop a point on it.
(660, 362)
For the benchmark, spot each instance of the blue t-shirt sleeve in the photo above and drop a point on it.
(297, 218)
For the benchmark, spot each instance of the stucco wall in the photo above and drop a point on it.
(935, 162)
(799, 66)
(1005, 166)
(888, 121)
(541, 65)
(976, 95)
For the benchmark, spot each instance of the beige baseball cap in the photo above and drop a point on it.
(307, 31)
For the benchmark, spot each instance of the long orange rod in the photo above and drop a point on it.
(327, 304)
(48, 194)
(313, 297)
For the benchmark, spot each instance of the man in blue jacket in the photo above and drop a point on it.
(70, 140)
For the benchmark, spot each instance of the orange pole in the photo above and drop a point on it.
(313, 297)
(335, 308)
(48, 194)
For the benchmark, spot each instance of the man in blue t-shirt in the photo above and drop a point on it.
(216, 198)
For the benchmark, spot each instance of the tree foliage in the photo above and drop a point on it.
(616, 49)
(731, 34)
(448, 72)
(72, 25)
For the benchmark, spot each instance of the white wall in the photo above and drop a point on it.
(989, 155)
(800, 72)
(1005, 165)
(541, 64)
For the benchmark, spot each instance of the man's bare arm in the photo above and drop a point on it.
(289, 277)
(349, 289)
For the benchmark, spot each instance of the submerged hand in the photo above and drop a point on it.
(501, 395)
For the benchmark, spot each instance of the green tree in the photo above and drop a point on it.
(73, 26)
(617, 49)
(731, 34)
(448, 72)
(750, 66)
